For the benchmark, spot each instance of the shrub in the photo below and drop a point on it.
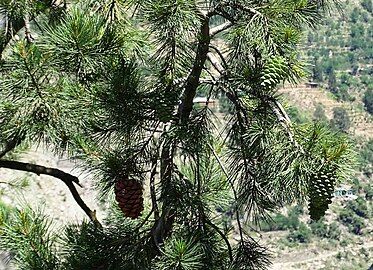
(334, 231)
(319, 113)
(280, 222)
(301, 235)
(319, 228)
(323, 230)
(368, 101)
(340, 120)
(353, 222)
(359, 207)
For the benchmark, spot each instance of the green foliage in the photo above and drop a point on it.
(297, 116)
(317, 73)
(179, 254)
(340, 120)
(5, 213)
(336, 56)
(319, 228)
(112, 84)
(323, 230)
(368, 100)
(366, 157)
(302, 234)
(366, 4)
(280, 223)
(319, 114)
(359, 207)
(27, 234)
(353, 222)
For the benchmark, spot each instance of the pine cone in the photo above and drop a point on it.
(321, 191)
(128, 194)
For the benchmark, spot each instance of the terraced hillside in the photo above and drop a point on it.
(306, 99)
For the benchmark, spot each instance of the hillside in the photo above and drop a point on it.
(340, 62)
(306, 99)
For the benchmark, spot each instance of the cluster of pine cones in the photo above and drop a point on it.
(129, 195)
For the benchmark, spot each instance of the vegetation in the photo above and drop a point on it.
(340, 53)
(341, 120)
(112, 83)
(301, 235)
(368, 100)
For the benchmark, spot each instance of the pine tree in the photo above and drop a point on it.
(113, 82)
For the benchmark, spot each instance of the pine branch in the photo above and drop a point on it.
(216, 228)
(27, 28)
(192, 82)
(285, 121)
(220, 54)
(215, 63)
(9, 146)
(152, 189)
(220, 28)
(233, 189)
(68, 179)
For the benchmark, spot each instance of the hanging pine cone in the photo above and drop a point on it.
(128, 194)
(321, 190)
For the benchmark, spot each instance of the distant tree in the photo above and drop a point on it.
(367, 5)
(319, 113)
(354, 17)
(341, 120)
(317, 75)
(302, 235)
(366, 158)
(332, 82)
(368, 101)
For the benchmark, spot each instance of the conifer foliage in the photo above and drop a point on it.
(112, 83)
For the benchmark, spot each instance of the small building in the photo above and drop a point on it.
(345, 193)
(312, 84)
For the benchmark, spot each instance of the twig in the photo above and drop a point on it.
(233, 189)
(224, 238)
(220, 28)
(9, 146)
(152, 189)
(215, 63)
(7, 183)
(27, 29)
(192, 82)
(217, 50)
(284, 119)
(68, 179)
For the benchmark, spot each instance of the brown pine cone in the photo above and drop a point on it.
(128, 194)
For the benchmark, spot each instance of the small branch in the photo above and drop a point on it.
(68, 179)
(7, 183)
(222, 58)
(34, 82)
(27, 29)
(285, 121)
(9, 146)
(220, 28)
(152, 189)
(216, 64)
(192, 82)
(233, 189)
(224, 238)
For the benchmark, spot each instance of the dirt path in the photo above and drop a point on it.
(294, 260)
